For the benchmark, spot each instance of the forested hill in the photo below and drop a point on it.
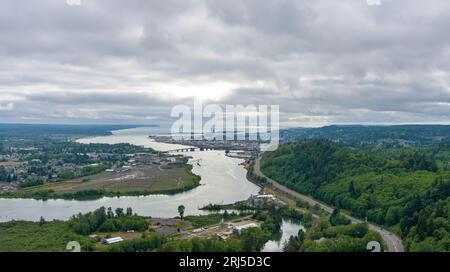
(400, 135)
(407, 189)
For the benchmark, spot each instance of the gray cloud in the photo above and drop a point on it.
(322, 61)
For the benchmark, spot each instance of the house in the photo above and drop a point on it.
(172, 160)
(112, 240)
(7, 187)
(124, 169)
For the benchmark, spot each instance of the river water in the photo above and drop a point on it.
(223, 181)
(288, 229)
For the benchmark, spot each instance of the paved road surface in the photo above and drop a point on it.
(393, 242)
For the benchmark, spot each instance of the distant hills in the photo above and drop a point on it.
(398, 135)
(403, 135)
(47, 130)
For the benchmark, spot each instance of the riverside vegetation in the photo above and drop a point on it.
(54, 235)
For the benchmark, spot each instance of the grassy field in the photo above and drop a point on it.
(9, 163)
(19, 236)
(140, 180)
(148, 177)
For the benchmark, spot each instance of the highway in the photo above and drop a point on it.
(393, 242)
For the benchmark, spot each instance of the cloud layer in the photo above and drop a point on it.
(322, 61)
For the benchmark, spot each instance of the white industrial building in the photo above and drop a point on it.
(112, 240)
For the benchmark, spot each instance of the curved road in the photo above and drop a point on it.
(393, 242)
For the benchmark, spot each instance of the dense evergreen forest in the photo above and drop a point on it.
(399, 135)
(405, 189)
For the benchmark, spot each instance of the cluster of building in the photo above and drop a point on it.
(14, 157)
(162, 159)
(7, 187)
(154, 158)
(18, 171)
(241, 145)
(261, 198)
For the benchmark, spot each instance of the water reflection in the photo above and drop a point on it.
(288, 228)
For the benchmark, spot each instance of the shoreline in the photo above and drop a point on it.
(90, 195)
(96, 194)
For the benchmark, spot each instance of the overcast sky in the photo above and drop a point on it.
(323, 61)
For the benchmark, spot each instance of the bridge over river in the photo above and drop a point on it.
(189, 149)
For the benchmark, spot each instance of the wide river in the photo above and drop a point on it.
(223, 180)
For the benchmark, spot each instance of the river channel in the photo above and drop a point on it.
(223, 181)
